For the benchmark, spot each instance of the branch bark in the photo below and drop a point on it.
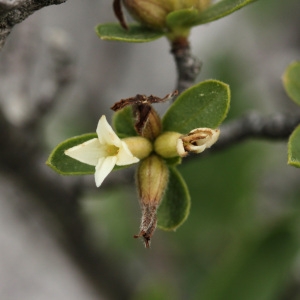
(253, 125)
(13, 12)
(188, 66)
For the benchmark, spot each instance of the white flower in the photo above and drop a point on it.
(197, 140)
(103, 152)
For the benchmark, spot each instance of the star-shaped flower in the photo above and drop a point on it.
(103, 152)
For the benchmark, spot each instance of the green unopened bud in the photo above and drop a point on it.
(166, 144)
(140, 147)
(152, 180)
(153, 13)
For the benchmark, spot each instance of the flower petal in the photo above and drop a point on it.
(105, 133)
(180, 148)
(88, 152)
(196, 149)
(103, 168)
(214, 138)
(124, 156)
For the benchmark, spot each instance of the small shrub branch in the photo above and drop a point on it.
(253, 125)
(188, 66)
(13, 12)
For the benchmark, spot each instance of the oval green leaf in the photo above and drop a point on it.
(294, 148)
(188, 18)
(135, 34)
(123, 122)
(291, 81)
(203, 105)
(66, 165)
(175, 206)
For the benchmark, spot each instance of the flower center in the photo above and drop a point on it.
(112, 150)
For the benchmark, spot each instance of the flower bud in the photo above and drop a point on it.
(197, 141)
(166, 144)
(140, 147)
(152, 180)
(148, 122)
(153, 13)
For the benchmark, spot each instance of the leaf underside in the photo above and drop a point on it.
(135, 34)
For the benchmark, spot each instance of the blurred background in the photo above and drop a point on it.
(241, 240)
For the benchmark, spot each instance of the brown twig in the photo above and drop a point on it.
(253, 125)
(188, 66)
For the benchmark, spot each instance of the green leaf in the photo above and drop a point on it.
(173, 161)
(176, 202)
(222, 9)
(255, 267)
(123, 122)
(291, 81)
(189, 17)
(294, 148)
(66, 165)
(182, 18)
(203, 105)
(135, 34)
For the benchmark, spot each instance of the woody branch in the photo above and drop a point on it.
(13, 12)
(253, 125)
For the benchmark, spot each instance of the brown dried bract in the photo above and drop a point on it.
(119, 13)
(142, 99)
(148, 224)
(141, 113)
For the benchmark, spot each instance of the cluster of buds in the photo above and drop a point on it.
(152, 173)
(150, 149)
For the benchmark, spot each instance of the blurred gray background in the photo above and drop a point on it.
(249, 50)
